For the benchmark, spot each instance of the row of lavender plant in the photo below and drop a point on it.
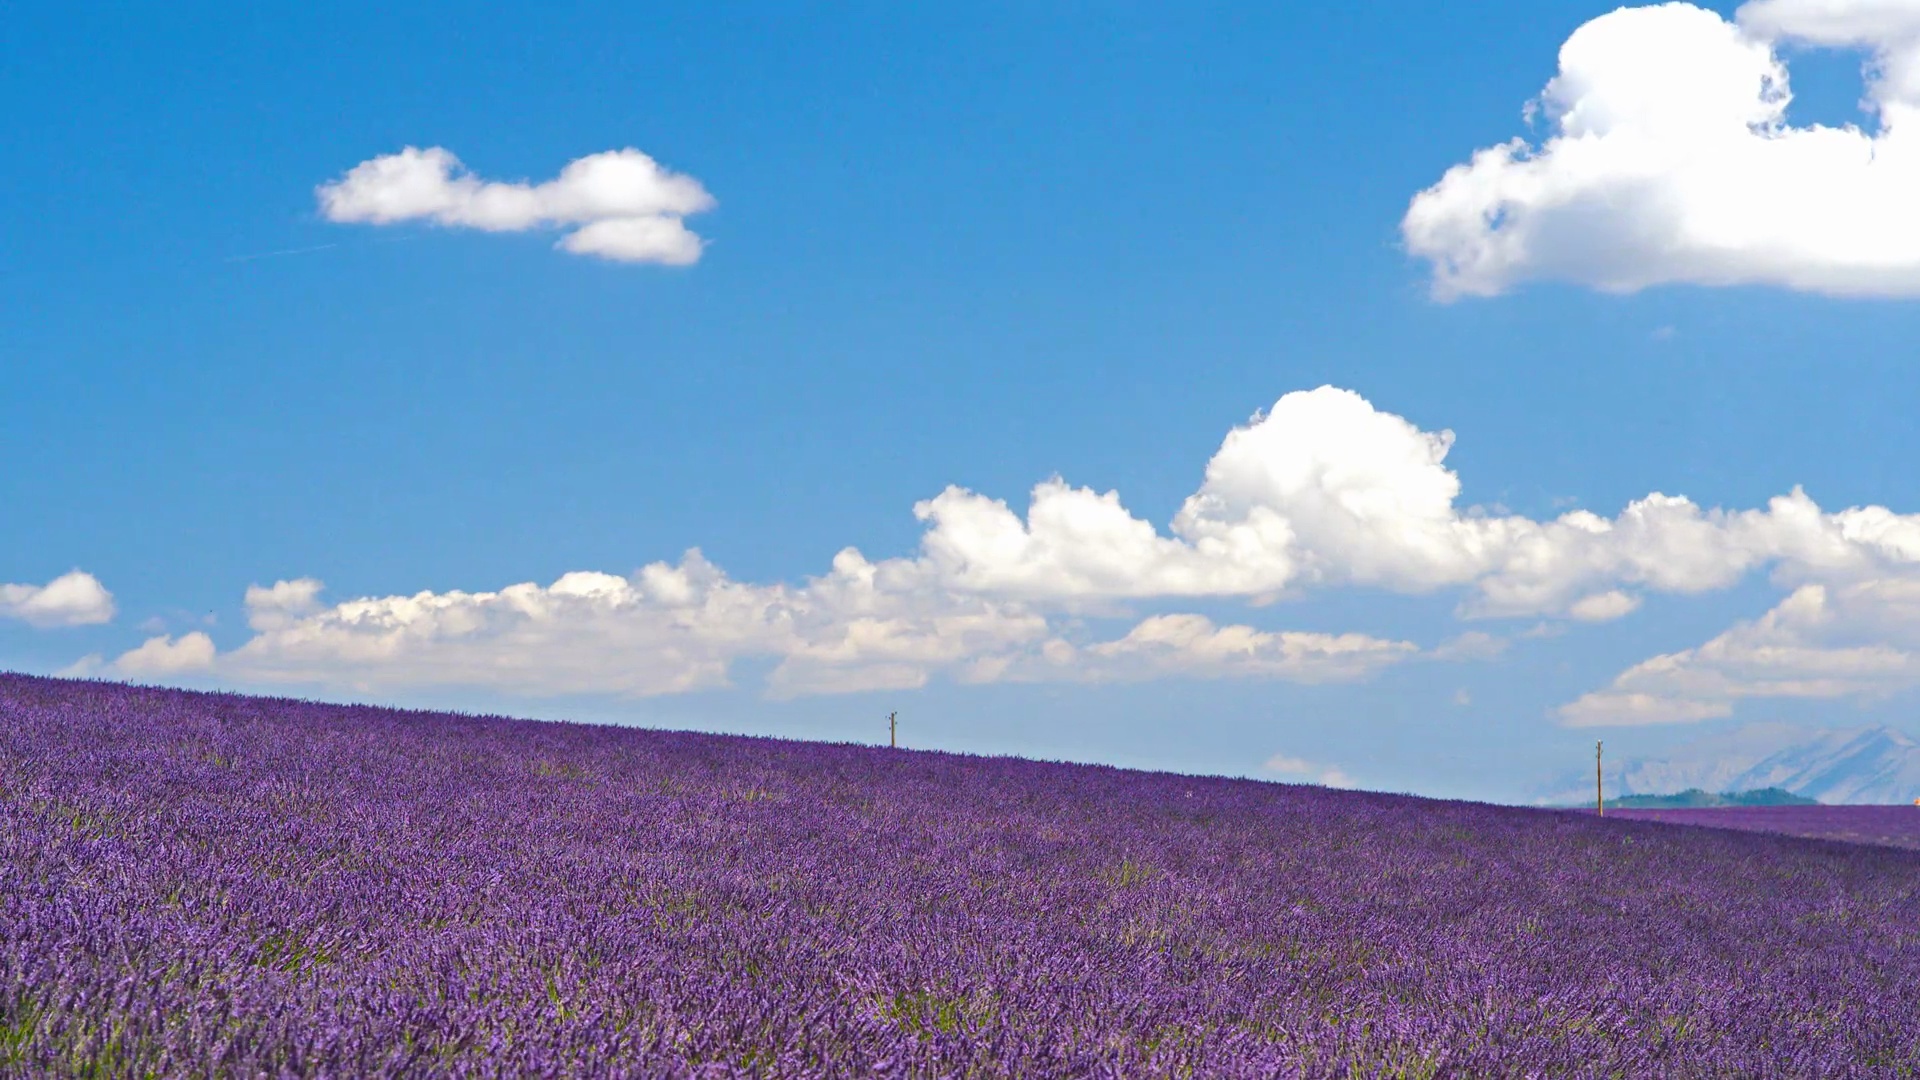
(219, 885)
(1892, 825)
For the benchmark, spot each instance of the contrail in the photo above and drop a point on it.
(274, 254)
(318, 247)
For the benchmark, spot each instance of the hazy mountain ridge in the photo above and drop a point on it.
(1875, 764)
(1694, 798)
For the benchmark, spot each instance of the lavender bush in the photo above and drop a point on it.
(219, 885)
(1895, 826)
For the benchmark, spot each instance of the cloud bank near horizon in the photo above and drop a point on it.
(1301, 770)
(1670, 159)
(1323, 491)
(619, 205)
(1849, 640)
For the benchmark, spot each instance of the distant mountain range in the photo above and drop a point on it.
(1693, 798)
(1833, 765)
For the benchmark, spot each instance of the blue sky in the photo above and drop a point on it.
(980, 249)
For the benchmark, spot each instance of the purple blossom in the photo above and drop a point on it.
(1894, 826)
(196, 884)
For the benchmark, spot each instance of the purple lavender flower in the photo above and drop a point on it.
(197, 884)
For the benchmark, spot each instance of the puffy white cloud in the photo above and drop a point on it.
(673, 629)
(667, 629)
(1353, 494)
(1191, 646)
(1325, 775)
(621, 204)
(162, 656)
(1077, 543)
(86, 667)
(1627, 708)
(1326, 490)
(883, 627)
(1670, 159)
(1854, 640)
(1604, 606)
(1889, 29)
(1322, 491)
(282, 604)
(74, 598)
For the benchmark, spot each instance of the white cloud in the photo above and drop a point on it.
(1322, 491)
(1326, 490)
(883, 627)
(1191, 646)
(1325, 775)
(1470, 646)
(621, 204)
(1670, 159)
(674, 629)
(282, 604)
(1077, 543)
(162, 656)
(72, 599)
(1336, 777)
(1627, 708)
(667, 629)
(1604, 606)
(1854, 640)
(86, 667)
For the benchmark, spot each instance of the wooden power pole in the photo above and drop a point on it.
(1599, 790)
(893, 730)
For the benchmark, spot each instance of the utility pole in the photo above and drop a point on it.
(893, 730)
(1599, 791)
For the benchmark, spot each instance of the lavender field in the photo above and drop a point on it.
(220, 885)
(1894, 826)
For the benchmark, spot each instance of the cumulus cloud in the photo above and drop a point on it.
(1604, 606)
(1326, 490)
(887, 626)
(1322, 491)
(669, 628)
(620, 204)
(1192, 646)
(74, 598)
(163, 656)
(1854, 640)
(282, 604)
(1670, 159)
(1299, 768)
(679, 628)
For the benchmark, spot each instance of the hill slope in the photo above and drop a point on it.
(280, 887)
(1892, 826)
